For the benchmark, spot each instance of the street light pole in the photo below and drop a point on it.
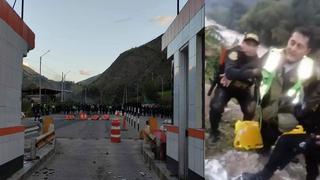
(63, 79)
(161, 85)
(85, 95)
(161, 88)
(40, 76)
(178, 6)
(61, 88)
(137, 93)
(22, 9)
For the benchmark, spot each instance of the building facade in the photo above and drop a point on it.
(16, 39)
(184, 43)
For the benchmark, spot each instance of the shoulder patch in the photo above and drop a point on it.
(233, 55)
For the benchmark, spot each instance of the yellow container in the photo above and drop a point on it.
(247, 135)
(297, 130)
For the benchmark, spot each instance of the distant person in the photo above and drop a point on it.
(37, 112)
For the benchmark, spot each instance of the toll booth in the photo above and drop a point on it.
(184, 43)
(16, 39)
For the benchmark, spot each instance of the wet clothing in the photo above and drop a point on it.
(278, 111)
(290, 145)
(238, 68)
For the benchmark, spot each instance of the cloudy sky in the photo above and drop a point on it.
(86, 36)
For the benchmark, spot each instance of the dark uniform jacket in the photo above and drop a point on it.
(308, 113)
(238, 68)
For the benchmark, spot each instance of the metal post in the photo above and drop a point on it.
(126, 95)
(161, 87)
(178, 7)
(62, 87)
(101, 94)
(40, 76)
(63, 80)
(40, 82)
(64, 76)
(85, 95)
(33, 149)
(22, 9)
(137, 93)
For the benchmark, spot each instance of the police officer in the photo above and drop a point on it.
(285, 73)
(306, 109)
(235, 81)
(290, 145)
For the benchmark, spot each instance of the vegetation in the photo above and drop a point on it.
(212, 53)
(272, 20)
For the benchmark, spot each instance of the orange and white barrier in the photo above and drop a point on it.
(115, 131)
(83, 116)
(106, 117)
(95, 117)
(69, 117)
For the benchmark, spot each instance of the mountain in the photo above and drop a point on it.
(31, 80)
(89, 80)
(144, 67)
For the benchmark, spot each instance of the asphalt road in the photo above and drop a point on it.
(84, 152)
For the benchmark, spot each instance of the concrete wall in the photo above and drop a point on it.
(12, 49)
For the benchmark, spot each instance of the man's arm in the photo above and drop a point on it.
(234, 73)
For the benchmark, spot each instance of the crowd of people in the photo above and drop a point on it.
(140, 110)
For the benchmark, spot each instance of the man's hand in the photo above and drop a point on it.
(225, 82)
(256, 72)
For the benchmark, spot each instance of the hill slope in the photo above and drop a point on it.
(31, 80)
(136, 66)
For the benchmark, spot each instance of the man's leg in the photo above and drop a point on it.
(312, 155)
(217, 105)
(270, 133)
(287, 147)
(247, 103)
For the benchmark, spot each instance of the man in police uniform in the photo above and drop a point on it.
(239, 74)
(295, 105)
(285, 72)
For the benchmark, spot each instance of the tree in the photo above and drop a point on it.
(150, 90)
(274, 20)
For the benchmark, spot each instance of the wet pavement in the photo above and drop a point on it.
(84, 152)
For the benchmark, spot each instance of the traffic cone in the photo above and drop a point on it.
(83, 116)
(69, 117)
(115, 131)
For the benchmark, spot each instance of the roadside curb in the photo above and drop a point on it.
(29, 167)
(159, 167)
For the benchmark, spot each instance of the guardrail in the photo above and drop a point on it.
(45, 139)
(38, 140)
(31, 131)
